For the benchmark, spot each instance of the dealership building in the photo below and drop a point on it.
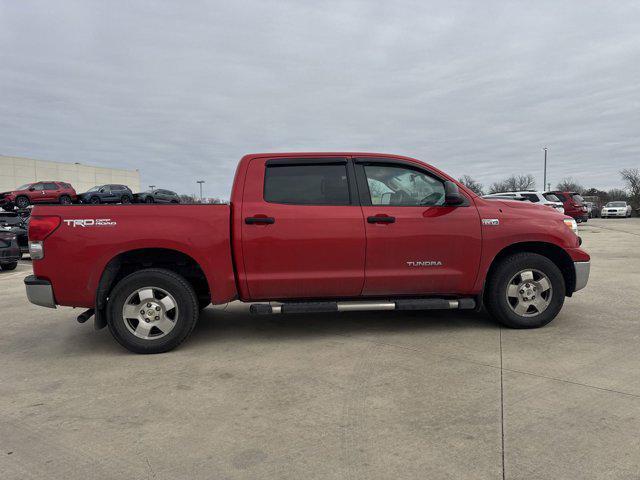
(16, 171)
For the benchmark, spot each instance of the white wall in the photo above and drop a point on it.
(16, 171)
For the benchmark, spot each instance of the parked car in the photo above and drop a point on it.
(9, 250)
(107, 194)
(592, 211)
(547, 199)
(38, 192)
(616, 209)
(573, 205)
(307, 232)
(12, 222)
(157, 196)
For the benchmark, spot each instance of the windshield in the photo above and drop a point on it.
(24, 187)
(617, 204)
(94, 189)
(551, 197)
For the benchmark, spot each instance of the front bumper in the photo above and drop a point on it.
(613, 214)
(582, 274)
(39, 292)
(9, 252)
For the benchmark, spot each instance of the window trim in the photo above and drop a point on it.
(352, 190)
(363, 184)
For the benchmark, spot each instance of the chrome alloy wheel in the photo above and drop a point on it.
(529, 293)
(150, 313)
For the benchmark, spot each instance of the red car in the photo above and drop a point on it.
(38, 192)
(573, 205)
(306, 233)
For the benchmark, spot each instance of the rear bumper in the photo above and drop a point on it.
(39, 292)
(582, 274)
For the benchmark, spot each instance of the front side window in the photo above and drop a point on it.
(400, 186)
(38, 186)
(307, 184)
(551, 197)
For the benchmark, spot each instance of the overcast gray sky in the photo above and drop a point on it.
(181, 90)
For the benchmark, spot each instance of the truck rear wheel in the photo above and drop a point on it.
(526, 290)
(152, 311)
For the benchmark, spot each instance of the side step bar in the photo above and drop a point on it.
(359, 306)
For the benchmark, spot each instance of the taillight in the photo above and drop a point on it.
(41, 226)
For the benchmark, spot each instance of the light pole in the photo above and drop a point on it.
(152, 187)
(200, 182)
(544, 182)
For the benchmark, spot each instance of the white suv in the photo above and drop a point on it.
(548, 199)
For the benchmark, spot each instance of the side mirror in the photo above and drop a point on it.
(452, 195)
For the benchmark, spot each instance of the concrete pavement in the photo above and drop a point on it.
(441, 395)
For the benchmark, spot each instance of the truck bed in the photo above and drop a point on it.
(89, 237)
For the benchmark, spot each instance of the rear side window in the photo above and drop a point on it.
(307, 184)
(50, 186)
(531, 197)
(560, 196)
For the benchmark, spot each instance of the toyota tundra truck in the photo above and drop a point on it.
(306, 233)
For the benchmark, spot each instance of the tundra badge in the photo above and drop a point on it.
(490, 221)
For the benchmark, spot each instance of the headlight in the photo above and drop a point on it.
(571, 223)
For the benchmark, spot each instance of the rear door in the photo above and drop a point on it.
(302, 229)
(415, 244)
(51, 192)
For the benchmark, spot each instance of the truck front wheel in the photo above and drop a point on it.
(526, 290)
(152, 311)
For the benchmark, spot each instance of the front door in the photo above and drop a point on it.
(416, 245)
(303, 233)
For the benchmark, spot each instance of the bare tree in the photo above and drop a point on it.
(617, 194)
(187, 199)
(568, 184)
(514, 183)
(631, 178)
(472, 184)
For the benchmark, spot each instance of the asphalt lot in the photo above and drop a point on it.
(356, 396)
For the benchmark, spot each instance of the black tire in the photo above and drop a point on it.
(9, 266)
(174, 284)
(65, 200)
(126, 199)
(496, 290)
(94, 200)
(148, 200)
(22, 202)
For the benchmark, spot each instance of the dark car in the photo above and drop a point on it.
(157, 196)
(107, 194)
(9, 250)
(38, 192)
(17, 224)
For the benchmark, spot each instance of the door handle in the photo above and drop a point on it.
(381, 219)
(254, 220)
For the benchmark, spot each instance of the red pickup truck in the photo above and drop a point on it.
(306, 232)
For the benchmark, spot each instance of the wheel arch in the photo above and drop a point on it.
(130, 261)
(553, 252)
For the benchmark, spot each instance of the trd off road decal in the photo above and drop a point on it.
(90, 222)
